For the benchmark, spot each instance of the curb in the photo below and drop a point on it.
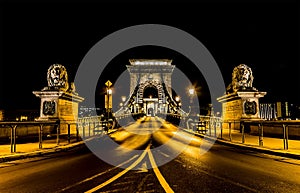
(248, 147)
(37, 153)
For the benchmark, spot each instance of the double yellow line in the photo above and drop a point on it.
(159, 176)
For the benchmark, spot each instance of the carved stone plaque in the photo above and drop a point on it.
(250, 107)
(48, 107)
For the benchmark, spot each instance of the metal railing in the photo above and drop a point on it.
(14, 125)
(216, 127)
(84, 127)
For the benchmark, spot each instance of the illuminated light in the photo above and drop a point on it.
(109, 91)
(123, 98)
(150, 62)
(177, 98)
(191, 91)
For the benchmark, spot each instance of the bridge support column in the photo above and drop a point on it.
(240, 106)
(59, 100)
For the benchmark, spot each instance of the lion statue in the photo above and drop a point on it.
(57, 77)
(242, 79)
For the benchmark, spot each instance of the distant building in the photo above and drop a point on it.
(1, 115)
(19, 115)
(283, 110)
(286, 110)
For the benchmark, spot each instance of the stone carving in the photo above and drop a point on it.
(57, 77)
(242, 79)
(72, 88)
(48, 107)
(250, 107)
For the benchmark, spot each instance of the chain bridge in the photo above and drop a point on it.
(151, 89)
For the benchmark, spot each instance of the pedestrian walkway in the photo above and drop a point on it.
(267, 142)
(26, 150)
(269, 145)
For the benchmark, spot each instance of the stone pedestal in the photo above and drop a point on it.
(239, 106)
(59, 105)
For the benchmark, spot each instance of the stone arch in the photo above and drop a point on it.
(151, 83)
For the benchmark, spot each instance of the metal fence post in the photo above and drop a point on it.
(69, 133)
(41, 136)
(13, 138)
(287, 137)
(284, 136)
(221, 129)
(230, 137)
(260, 134)
(57, 133)
(243, 132)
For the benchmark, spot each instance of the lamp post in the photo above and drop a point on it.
(108, 98)
(178, 104)
(191, 94)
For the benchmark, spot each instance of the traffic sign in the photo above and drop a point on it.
(108, 83)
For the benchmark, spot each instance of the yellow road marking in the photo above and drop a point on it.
(159, 176)
(100, 174)
(121, 173)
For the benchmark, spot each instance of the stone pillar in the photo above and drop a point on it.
(241, 101)
(240, 106)
(59, 101)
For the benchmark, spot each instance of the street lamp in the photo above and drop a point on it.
(108, 98)
(191, 92)
(109, 91)
(123, 98)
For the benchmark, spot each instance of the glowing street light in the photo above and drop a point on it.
(123, 98)
(109, 91)
(191, 91)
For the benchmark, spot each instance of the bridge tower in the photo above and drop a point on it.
(150, 85)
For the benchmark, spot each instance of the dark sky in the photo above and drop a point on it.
(265, 36)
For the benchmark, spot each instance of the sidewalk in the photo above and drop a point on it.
(273, 146)
(27, 150)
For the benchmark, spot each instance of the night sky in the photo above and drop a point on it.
(264, 36)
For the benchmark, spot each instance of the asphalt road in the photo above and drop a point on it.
(181, 162)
